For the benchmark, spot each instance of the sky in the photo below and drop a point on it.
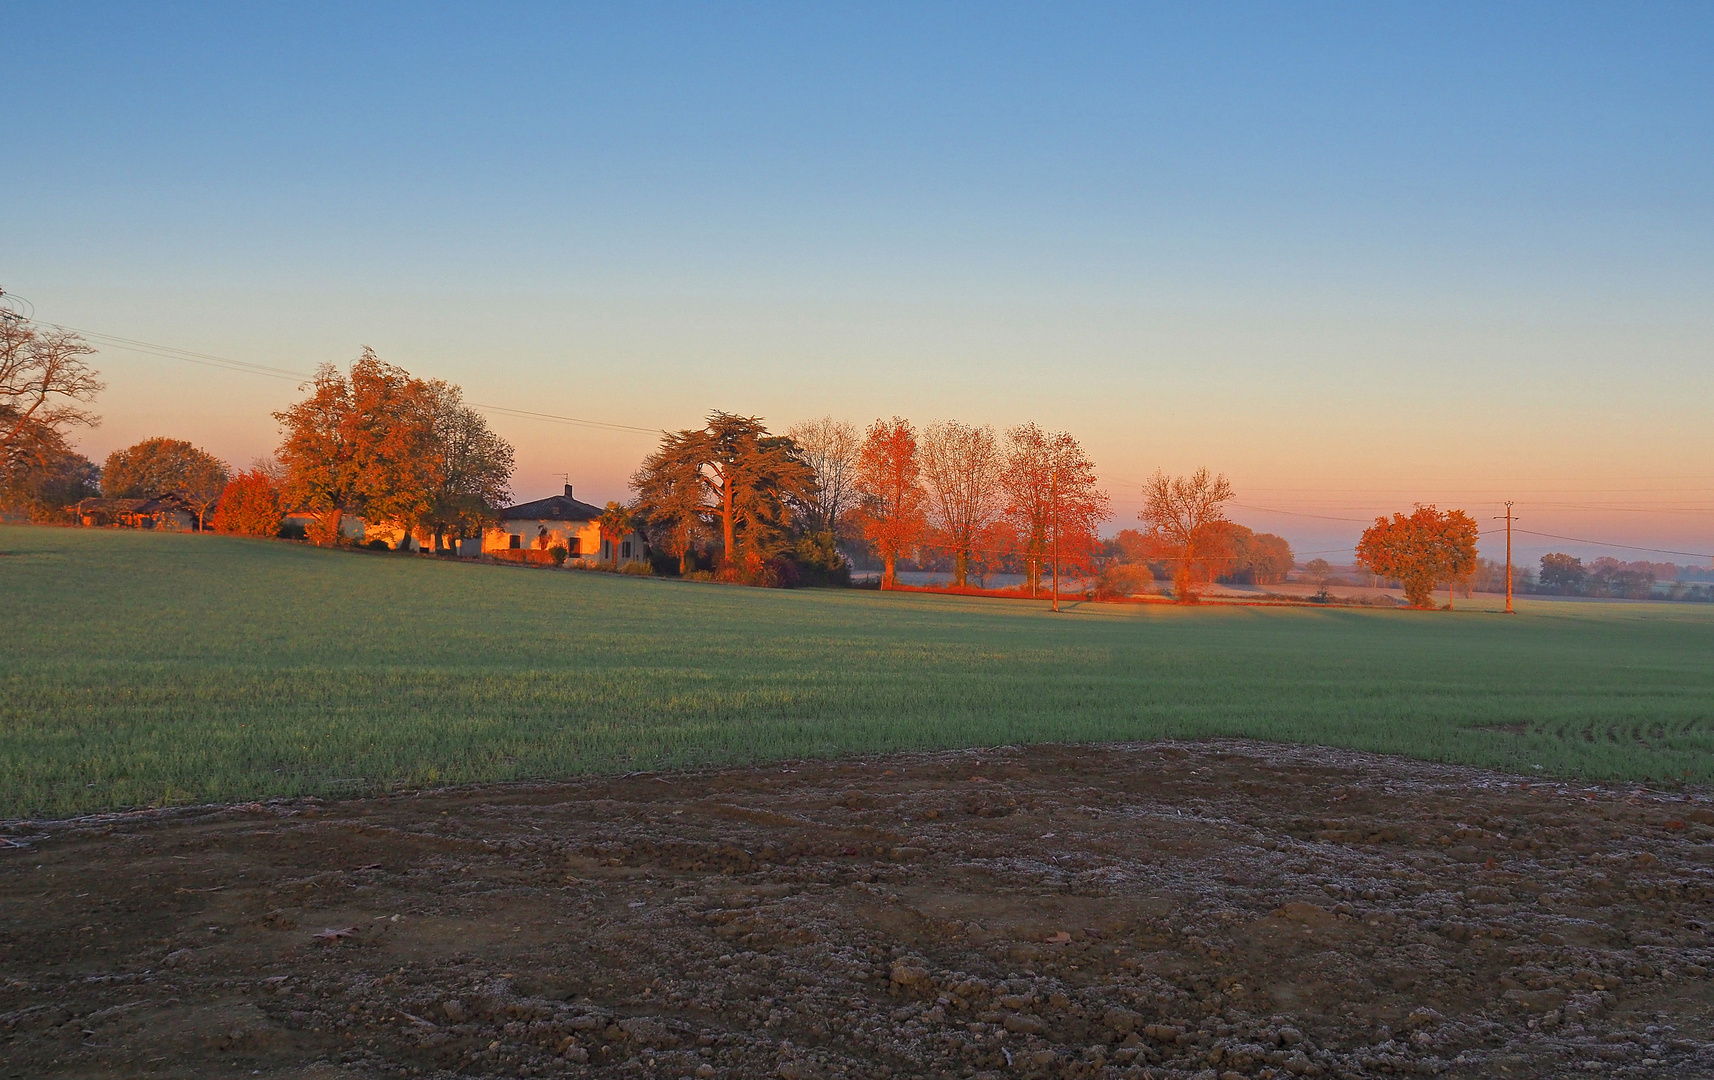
(1353, 256)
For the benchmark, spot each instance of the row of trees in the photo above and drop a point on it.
(1567, 575)
(753, 497)
(376, 442)
(744, 499)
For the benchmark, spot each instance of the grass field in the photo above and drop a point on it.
(138, 668)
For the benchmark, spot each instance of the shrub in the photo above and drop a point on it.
(528, 556)
(558, 553)
(250, 506)
(638, 569)
(1121, 580)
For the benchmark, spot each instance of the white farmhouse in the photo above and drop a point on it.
(560, 520)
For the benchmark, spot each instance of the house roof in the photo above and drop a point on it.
(112, 506)
(553, 508)
(172, 500)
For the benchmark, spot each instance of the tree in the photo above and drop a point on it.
(1186, 515)
(470, 468)
(1076, 506)
(755, 484)
(52, 483)
(673, 497)
(43, 384)
(1319, 570)
(961, 470)
(160, 466)
(250, 505)
(889, 478)
(1267, 557)
(360, 445)
(616, 523)
(1420, 550)
(829, 447)
(1562, 571)
(1052, 500)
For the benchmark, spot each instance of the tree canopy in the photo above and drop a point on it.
(1052, 500)
(733, 473)
(961, 470)
(391, 447)
(470, 468)
(161, 466)
(1420, 550)
(829, 447)
(889, 478)
(250, 505)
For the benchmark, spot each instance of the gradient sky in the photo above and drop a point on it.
(1354, 256)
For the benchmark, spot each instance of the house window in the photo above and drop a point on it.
(625, 549)
(517, 541)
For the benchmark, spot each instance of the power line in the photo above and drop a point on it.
(1295, 513)
(170, 352)
(1607, 543)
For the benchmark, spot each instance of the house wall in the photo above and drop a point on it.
(350, 525)
(584, 536)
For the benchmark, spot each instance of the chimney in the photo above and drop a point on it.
(568, 491)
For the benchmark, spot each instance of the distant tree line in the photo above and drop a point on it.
(1566, 575)
(732, 500)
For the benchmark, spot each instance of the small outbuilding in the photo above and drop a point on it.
(168, 512)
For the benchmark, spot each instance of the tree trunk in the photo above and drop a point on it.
(961, 568)
(728, 534)
(887, 569)
(331, 520)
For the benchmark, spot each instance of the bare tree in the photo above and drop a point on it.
(43, 382)
(961, 468)
(1186, 514)
(830, 448)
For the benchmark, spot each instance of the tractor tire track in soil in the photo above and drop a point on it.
(1213, 910)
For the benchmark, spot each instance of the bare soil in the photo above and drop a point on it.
(1210, 910)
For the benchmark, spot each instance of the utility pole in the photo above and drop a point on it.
(1508, 520)
(1053, 494)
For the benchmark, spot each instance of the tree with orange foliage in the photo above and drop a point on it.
(1420, 550)
(1188, 522)
(889, 481)
(616, 522)
(1051, 500)
(249, 506)
(360, 445)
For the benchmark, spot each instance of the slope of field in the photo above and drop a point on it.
(146, 669)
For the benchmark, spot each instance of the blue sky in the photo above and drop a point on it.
(1352, 255)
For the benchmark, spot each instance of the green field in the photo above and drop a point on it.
(138, 668)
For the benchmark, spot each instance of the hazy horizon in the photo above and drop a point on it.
(1352, 257)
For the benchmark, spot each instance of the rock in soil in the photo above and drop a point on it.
(1207, 910)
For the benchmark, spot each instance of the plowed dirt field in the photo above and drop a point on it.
(1210, 910)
